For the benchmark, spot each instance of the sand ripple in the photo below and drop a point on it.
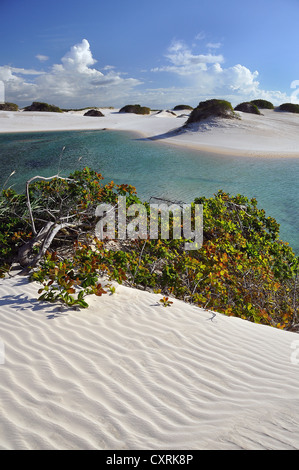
(130, 374)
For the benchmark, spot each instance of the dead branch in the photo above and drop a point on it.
(42, 240)
(28, 196)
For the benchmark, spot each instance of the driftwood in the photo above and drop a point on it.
(27, 255)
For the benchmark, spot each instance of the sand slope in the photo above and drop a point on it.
(128, 373)
(274, 134)
(271, 134)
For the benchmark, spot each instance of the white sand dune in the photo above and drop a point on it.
(273, 134)
(127, 373)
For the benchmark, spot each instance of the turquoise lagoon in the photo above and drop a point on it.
(157, 169)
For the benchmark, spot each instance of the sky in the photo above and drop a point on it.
(157, 53)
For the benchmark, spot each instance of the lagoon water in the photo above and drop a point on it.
(157, 169)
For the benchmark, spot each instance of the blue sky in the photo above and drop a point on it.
(158, 53)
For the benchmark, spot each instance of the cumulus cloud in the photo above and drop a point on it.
(16, 86)
(204, 75)
(79, 58)
(191, 74)
(184, 62)
(74, 82)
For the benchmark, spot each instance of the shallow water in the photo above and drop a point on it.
(157, 169)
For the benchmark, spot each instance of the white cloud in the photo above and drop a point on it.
(42, 58)
(2, 92)
(184, 62)
(15, 85)
(201, 35)
(72, 83)
(214, 45)
(79, 59)
(8, 73)
(237, 78)
(108, 67)
(204, 76)
(192, 75)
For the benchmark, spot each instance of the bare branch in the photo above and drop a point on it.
(53, 230)
(28, 197)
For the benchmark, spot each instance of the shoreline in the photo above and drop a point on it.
(228, 151)
(220, 151)
(273, 135)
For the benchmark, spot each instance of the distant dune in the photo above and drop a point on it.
(270, 134)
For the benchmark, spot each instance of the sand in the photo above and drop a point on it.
(128, 374)
(273, 134)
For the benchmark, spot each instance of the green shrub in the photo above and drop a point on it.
(211, 108)
(263, 104)
(14, 229)
(135, 108)
(181, 107)
(242, 269)
(38, 106)
(247, 107)
(289, 107)
(9, 107)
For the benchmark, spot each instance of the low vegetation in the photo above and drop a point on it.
(210, 109)
(247, 107)
(263, 104)
(135, 108)
(94, 113)
(9, 107)
(181, 107)
(242, 268)
(289, 107)
(39, 106)
(86, 108)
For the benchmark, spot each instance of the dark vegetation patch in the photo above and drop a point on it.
(94, 112)
(263, 104)
(39, 106)
(289, 107)
(181, 107)
(210, 109)
(247, 107)
(135, 108)
(9, 107)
